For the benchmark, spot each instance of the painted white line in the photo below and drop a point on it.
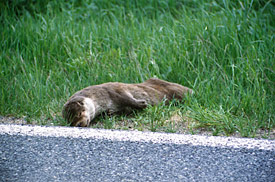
(137, 136)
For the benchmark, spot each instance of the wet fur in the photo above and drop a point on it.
(114, 97)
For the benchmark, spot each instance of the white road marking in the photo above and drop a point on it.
(137, 136)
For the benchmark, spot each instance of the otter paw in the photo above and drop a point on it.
(142, 103)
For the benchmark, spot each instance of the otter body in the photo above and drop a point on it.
(114, 97)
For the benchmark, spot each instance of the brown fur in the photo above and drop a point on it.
(114, 97)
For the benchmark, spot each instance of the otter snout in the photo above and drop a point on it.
(84, 122)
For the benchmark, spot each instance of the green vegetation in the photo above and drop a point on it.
(224, 50)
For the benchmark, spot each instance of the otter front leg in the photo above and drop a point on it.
(125, 99)
(129, 101)
(139, 104)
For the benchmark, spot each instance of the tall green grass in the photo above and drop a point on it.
(224, 50)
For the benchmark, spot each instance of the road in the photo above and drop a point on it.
(35, 153)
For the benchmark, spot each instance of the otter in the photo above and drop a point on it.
(113, 97)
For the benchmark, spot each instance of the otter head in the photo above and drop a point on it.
(76, 112)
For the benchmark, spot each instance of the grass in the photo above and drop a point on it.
(224, 50)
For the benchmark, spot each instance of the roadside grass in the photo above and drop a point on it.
(224, 50)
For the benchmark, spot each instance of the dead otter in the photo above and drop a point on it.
(114, 97)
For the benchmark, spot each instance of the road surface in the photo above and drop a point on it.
(39, 153)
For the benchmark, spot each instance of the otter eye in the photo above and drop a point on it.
(79, 114)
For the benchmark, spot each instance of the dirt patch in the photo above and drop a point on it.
(187, 125)
(13, 120)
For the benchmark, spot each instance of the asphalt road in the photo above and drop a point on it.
(34, 153)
